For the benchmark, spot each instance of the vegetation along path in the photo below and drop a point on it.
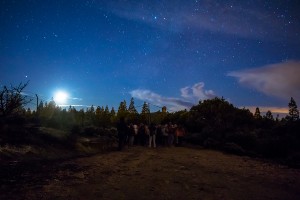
(162, 173)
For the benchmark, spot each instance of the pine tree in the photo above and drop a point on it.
(98, 111)
(145, 114)
(122, 107)
(113, 112)
(41, 106)
(70, 109)
(106, 117)
(122, 110)
(257, 113)
(52, 104)
(92, 109)
(269, 115)
(293, 110)
(112, 115)
(145, 109)
(106, 111)
(131, 108)
(28, 111)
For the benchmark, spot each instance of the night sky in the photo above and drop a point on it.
(171, 52)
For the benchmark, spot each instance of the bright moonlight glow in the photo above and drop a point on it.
(60, 97)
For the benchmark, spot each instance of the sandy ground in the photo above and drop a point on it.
(143, 173)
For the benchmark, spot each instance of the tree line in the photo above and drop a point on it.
(213, 123)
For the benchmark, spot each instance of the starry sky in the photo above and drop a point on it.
(166, 52)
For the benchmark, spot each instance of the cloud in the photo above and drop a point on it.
(279, 112)
(159, 100)
(244, 20)
(76, 98)
(280, 80)
(190, 96)
(74, 105)
(264, 109)
(197, 92)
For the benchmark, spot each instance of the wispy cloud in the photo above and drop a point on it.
(156, 99)
(74, 105)
(264, 109)
(190, 96)
(244, 20)
(196, 92)
(279, 80)
(280, 112)
(76, 98)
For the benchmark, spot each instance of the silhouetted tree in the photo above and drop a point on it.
(269, 115)
(217, 118)
(90, 116)
(28, 113)
(98, 111)
(122, 110)
(81, 117)
(257, 113)
(41, 106)
(12, 99)
(145, 114)
(145, 109)
(106, 117)
(132, 112)
(131, 108)
(113, 117)
(106, 111)
(98, 116)
(113, 112)
(48, 110)
(293, 110)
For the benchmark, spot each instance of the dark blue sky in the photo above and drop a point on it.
(171, 52)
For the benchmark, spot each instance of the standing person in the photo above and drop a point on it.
(171, 133)
(152, 135)
(136, 130)
(141, 134)
(146, 135)
(131, 135)
(122, 133)
(164, 130)
(180, 133)
(159, 136)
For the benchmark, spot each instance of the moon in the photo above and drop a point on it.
(61, 97)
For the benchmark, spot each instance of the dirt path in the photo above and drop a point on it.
(162, 173)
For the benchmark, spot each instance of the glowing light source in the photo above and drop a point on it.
(60, 97)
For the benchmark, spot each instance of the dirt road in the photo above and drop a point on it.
(162, 173)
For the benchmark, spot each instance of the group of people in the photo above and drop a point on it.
(149, 135)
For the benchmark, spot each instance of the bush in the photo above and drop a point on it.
(75, 130)
(273, 147)
(293, 160)
(13, 134)
(90, 131)
(234, 149)
(194, 138)
(246, 140)
(211, 143)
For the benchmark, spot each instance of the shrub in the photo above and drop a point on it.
(75, 130)
(90, 131)
(194, 138)
(211, 143)
(233, 148)
(273, 147)
(247, 140)
(293, 160)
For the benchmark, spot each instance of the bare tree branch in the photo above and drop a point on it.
(12, 100)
